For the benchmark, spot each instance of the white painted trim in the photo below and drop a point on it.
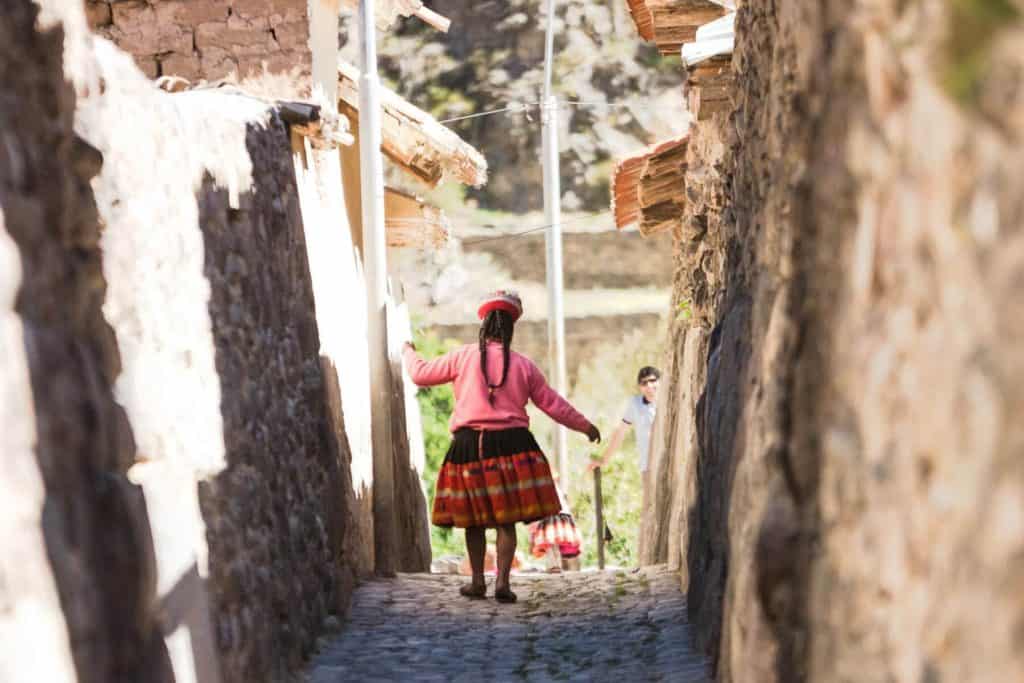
(695, 53)
(719, 28)
(713, 39)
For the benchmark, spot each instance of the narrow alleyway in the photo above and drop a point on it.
(611, 626)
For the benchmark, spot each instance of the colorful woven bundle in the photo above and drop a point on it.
(558, 530)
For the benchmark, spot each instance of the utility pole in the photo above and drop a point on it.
(553, 214)
(371, 173)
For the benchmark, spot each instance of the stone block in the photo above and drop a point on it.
(98, 14)
(286, 11)
(254, 8)
(191, 13)
(137, 29)
(275, 63)
(187, 66)
(217, 63)
(148, 65)
(294, 34)
(235, 41)
(254, 23)
(133, 16)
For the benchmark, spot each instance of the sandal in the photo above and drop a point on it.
(473, 591)
(504, 595)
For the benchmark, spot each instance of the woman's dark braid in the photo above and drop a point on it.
(498, 325)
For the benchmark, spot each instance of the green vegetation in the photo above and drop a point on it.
(972, 28)
(603, 386)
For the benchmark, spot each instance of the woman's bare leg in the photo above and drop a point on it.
(506, 552)
(476, 544)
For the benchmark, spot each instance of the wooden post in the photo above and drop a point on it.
(599, 517)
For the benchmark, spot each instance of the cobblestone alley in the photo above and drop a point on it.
(611, 626)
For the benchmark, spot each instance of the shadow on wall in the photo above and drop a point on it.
(273, 516)
(414, 552)
(356, 543)
(719, 415)
(94, 520)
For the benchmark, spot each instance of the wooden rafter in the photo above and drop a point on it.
(389, 10)
(411, 222)
(709, 87)
(649, 189)
(641, 14)
(412, 138)
(670, 23)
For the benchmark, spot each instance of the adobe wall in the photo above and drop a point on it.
(207, 39)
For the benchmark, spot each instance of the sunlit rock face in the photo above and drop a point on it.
(845, 486)
(493, 58)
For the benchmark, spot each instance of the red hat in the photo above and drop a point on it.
(501, 300)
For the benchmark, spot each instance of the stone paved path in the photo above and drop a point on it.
(607, 626)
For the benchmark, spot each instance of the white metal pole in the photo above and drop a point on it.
(375, 266)
(553, 216)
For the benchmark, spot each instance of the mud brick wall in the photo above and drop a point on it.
(207, 39)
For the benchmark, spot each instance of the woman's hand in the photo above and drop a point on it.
(593, 434)
(409, 344)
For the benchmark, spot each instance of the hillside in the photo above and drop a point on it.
(493, 58)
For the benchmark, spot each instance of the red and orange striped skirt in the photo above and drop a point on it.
(490, 478)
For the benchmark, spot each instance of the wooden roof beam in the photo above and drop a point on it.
(387, 11)
(712, 39)
(649, 188)
(414, 139)
(670, 23)
(409, 222)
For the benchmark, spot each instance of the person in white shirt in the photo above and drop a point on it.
(639, 413)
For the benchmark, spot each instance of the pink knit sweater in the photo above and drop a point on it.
(525, 381)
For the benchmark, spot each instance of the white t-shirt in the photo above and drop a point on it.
(640, 413)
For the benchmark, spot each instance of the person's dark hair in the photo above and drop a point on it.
(498, 325)
(647, 371)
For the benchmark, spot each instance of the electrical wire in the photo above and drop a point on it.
(518, 107)
(524, 107)
(510, 235)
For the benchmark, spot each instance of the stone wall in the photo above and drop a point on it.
(77, 596)
(178, 499)
(845, 487)
(207, 39)
(212, 303)
(611, 259)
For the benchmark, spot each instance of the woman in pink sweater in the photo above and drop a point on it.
(494, 474)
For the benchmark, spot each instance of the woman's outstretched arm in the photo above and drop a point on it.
(556, 407)
(429, 373)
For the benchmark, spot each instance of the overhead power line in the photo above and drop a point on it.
(508, 235)
(524, 107)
